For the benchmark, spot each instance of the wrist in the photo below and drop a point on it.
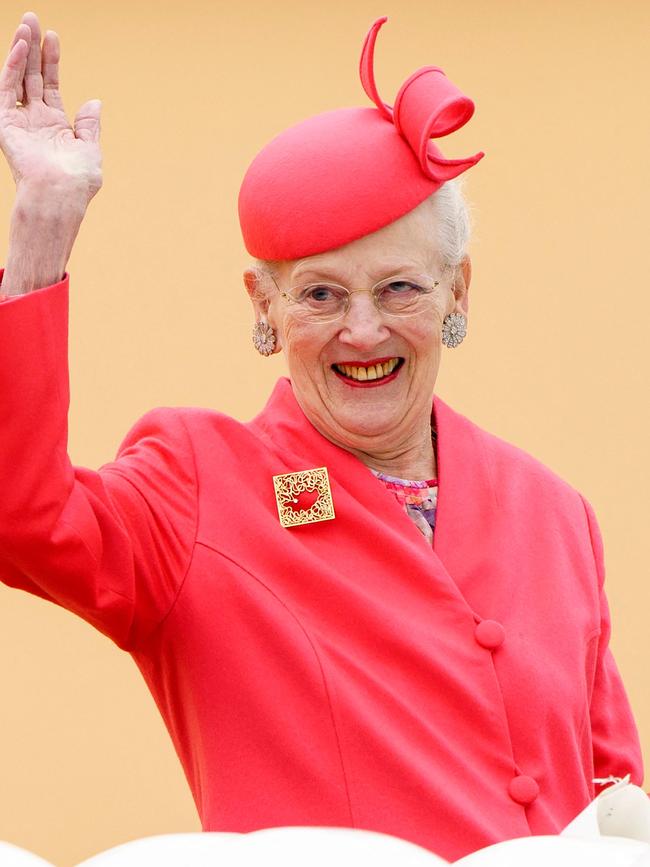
(54, 200)
(42, 232)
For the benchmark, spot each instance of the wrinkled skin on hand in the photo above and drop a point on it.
(40, 144)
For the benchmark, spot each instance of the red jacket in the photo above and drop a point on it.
(338, 673)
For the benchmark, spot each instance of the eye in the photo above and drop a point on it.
(401, 290)
(402, 296)
(318, 293)
(400, 287)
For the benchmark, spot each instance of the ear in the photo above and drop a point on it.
(255, 283)
(254, 287)
(461, 287)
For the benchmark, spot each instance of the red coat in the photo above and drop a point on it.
(339, 673)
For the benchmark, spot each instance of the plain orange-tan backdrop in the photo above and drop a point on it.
(556, 359)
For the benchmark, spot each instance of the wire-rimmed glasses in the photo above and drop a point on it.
(399, 295)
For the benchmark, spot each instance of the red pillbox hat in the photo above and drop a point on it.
(342, 174)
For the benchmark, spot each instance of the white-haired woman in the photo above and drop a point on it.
(359, 609)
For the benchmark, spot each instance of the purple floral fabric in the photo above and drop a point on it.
(418, 498)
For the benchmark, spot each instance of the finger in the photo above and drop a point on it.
(12, 74)
(87, 121)
(51, 56)
(22, 32)
(33, 77)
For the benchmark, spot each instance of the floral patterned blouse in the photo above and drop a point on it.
(418, 498)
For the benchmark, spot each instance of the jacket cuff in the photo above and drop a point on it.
(3, 297)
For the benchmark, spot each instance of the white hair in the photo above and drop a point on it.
(452, 220)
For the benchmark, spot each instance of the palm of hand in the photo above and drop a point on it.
(38, 141)
(36, 137)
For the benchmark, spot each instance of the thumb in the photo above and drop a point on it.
(86, 121)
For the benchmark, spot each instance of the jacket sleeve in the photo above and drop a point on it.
(615, 739)
(112, 545)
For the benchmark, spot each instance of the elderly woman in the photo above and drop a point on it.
(408, 633)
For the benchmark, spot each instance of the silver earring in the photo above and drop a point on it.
(263, 338)
(454, 328)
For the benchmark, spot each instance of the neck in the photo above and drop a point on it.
(415, 461)
(406, 455)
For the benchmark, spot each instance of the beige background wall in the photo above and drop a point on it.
(556, 360)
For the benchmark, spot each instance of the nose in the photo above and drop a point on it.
(363, 326)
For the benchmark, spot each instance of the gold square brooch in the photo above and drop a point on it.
(304, 497)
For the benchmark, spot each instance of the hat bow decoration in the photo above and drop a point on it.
(428, 105)
(313, 187)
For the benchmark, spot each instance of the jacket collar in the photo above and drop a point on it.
(466, 492)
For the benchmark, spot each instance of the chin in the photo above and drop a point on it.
(358, 426)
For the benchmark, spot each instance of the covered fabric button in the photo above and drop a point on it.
(523, 789)
(490, 634)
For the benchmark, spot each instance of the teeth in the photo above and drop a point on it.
(374, 371)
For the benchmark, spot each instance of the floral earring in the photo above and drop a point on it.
(454, 328)
(263, 338)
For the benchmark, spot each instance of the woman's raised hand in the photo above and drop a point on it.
(57, 166)
(41, 146)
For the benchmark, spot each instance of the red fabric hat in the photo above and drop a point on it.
(342, 174)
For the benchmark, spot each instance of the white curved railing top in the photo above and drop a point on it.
(613, 831)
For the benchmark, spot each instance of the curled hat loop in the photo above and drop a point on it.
(428, 105)
(366, 70)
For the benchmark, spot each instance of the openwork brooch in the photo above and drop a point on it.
(303, 497)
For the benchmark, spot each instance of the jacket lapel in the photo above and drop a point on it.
(465, 487)
(467, 498)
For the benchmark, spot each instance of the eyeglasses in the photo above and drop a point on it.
(394, 296)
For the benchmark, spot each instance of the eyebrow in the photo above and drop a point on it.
(378, 273)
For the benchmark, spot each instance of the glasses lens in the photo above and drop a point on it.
(401, 297)
(320, 301)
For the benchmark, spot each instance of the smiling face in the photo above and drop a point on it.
(366, 380)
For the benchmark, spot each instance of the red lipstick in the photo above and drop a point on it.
(367, 363)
